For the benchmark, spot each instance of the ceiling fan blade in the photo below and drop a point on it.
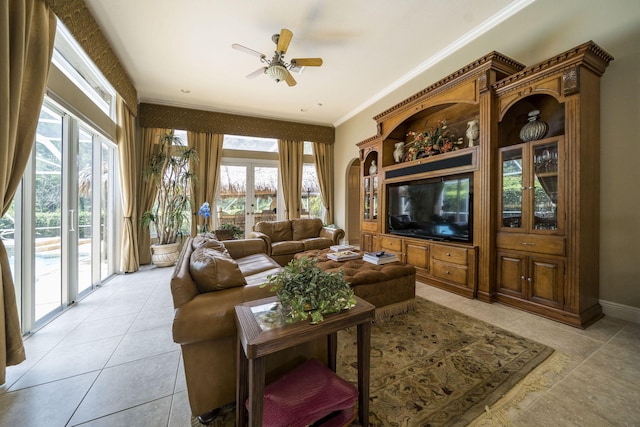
(306, 62)
(289, 79)
(247, 50)
(257, 72)
(283, 40)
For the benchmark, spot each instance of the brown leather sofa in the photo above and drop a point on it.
(287, 238)
(209, 280)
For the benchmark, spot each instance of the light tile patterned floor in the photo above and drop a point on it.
(111, 361)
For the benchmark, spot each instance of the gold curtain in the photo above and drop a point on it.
(146, 193)
(291, 158)
(129, 257)
(209, 149)
(26, 45)
(323, 159)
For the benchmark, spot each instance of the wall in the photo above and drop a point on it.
(546, 29)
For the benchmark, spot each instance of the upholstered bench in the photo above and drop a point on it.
(390, 287)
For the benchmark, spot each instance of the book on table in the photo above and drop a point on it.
(340, 248)
(343, 255)
(380, 257)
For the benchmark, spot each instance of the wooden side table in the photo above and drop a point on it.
(256, 340)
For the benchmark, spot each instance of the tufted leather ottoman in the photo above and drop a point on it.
(390, 287)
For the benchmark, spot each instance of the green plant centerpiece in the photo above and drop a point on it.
(306, 291)
(170, 170)
(237, 231)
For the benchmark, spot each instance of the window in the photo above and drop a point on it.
(182, 136)
(311, 206)
(69, 57)
(308, 148)
(249, 143)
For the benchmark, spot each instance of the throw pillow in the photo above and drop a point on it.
(278, 231)
(208, 240)
(306, 228)
(214, 271)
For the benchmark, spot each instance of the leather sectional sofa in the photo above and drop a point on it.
(286, 238)
(209, 280)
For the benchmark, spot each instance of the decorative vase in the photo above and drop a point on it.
(165, 255)
(473, 132)
(535, 129)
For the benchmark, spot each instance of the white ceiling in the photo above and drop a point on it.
(369, 47)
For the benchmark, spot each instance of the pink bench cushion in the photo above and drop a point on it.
(307, 394)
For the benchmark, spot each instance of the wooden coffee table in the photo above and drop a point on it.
(256, 341)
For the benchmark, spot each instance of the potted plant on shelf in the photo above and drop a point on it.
(306, 291)
(228, 231)
(431, 142)
(170, 171)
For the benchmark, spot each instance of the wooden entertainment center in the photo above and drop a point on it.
(530, 219)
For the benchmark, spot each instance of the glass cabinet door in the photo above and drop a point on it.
(512, 187)
(530, 186)
(545, 186)
(367, 198)
(374, 197)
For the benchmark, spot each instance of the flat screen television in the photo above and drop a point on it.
(436, 209)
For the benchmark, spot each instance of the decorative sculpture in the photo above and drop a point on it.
(473, 132)
(398, 153)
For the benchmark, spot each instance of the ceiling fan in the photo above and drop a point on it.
(276, 67)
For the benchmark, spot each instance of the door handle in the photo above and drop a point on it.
(71, 220)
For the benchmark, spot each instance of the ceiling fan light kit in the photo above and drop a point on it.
(277, 72)
(276, 67)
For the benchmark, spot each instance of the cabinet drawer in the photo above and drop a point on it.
(368, 226)
(450, 272)
(449, 254)
(391, 243)
(552, 245)
(417, 255)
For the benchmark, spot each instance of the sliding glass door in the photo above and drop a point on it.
(59, 227)
(44, 210)
(84, 199)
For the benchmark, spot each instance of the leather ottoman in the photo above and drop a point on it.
(390, 287)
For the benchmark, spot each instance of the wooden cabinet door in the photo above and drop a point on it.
(366, 242)
(512, 274)
(417, 255)
(546, 278)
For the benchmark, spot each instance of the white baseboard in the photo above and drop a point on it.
(621, 311)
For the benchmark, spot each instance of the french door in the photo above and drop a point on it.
(248, 193)
(62, 217)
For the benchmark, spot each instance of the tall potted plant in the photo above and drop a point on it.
(170, 171)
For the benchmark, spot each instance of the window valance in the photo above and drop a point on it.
(162, 116)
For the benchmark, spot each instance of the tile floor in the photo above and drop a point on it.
(111, 361)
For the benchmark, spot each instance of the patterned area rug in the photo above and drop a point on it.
(438, 367)
(434, 367)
